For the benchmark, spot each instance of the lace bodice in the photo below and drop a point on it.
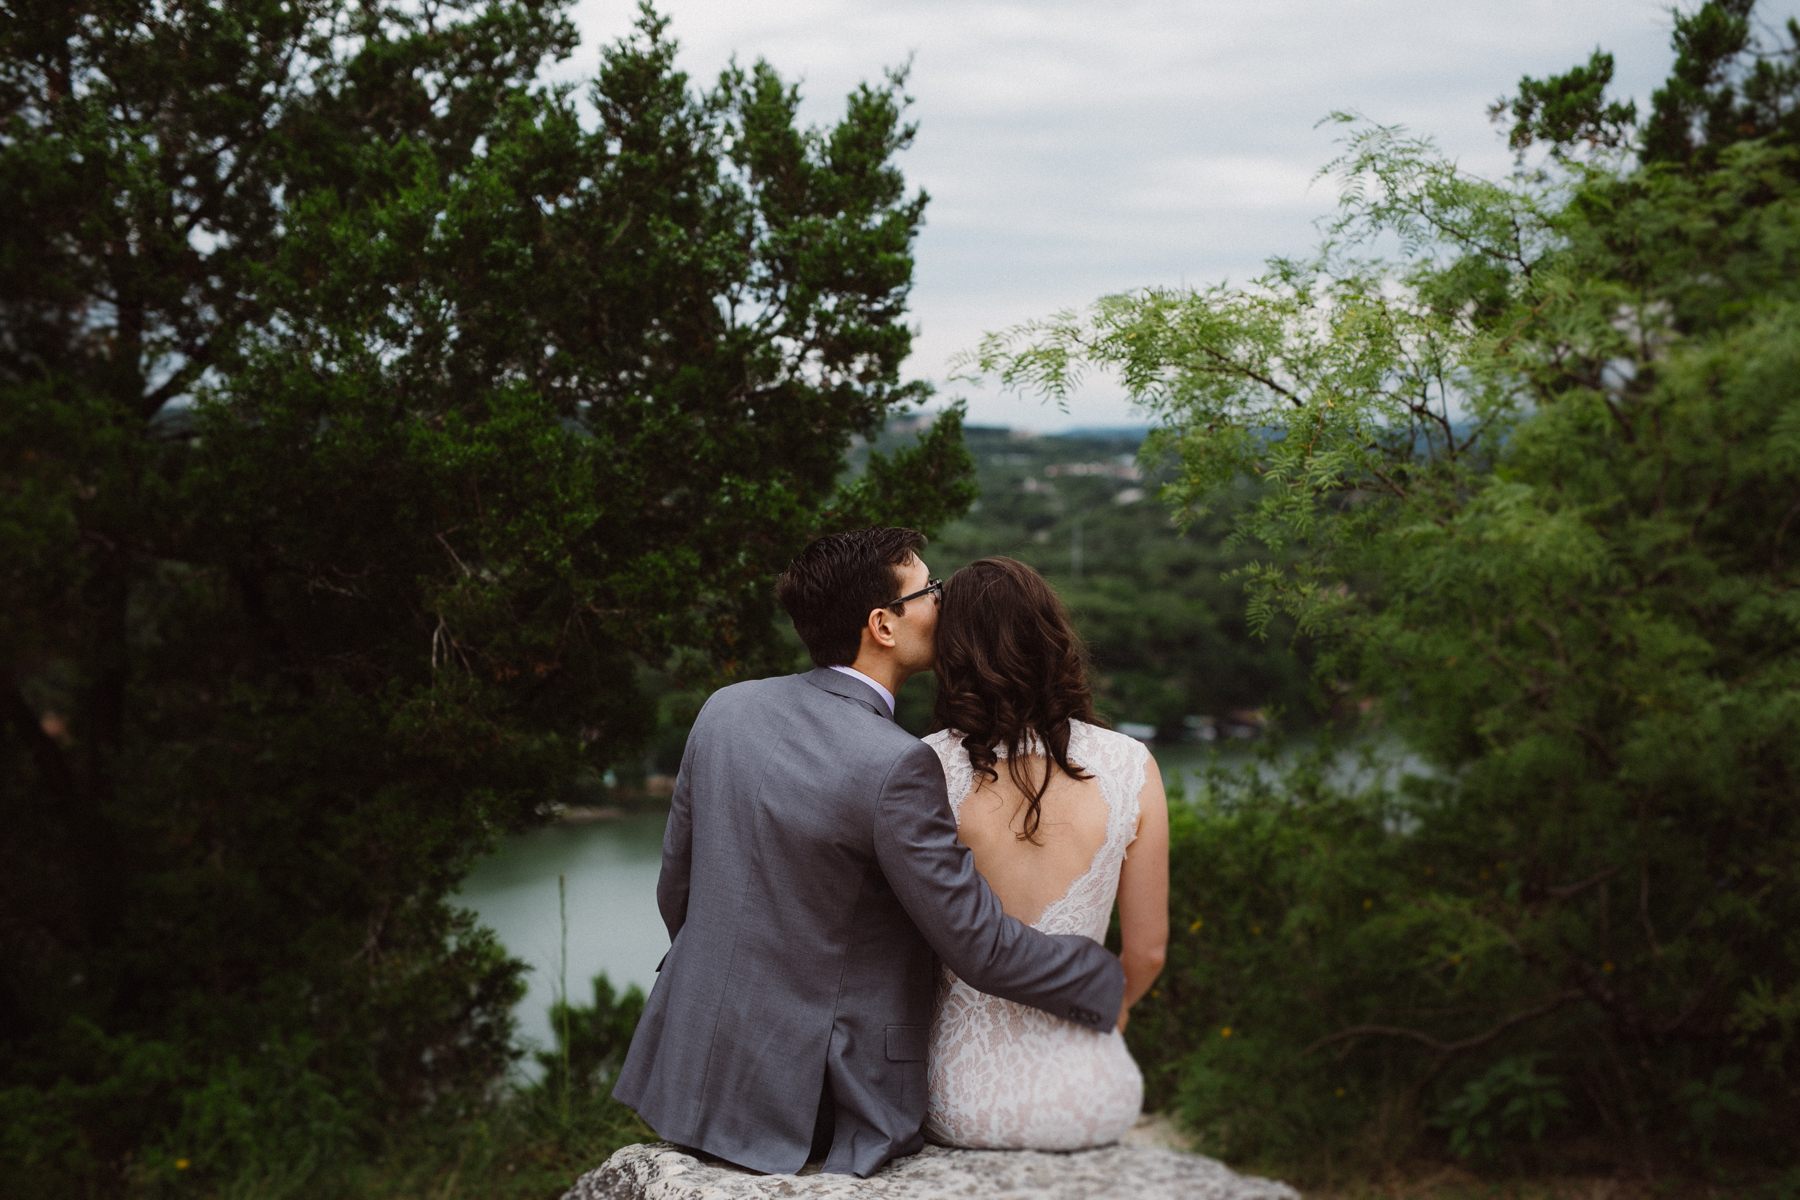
(1005, 1076)
(1117, 763)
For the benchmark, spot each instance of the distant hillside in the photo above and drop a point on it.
(1167, 633)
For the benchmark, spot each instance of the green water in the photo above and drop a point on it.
(611, 869)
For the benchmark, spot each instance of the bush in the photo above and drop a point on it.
(1358, 972)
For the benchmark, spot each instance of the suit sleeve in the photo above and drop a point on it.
(678, 849)
(934, 876)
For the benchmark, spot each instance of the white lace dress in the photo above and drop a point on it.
(1004, 1076)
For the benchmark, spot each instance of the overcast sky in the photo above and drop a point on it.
(1073, 148)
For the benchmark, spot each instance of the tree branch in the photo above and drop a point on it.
(1573, 889)
(1446, 1049)
(1240, 369)
(175, 384)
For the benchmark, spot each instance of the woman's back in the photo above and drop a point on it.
(1003, 1075)
(1028, 874)
(1082, 831)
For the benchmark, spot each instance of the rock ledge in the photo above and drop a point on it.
(659, 1171)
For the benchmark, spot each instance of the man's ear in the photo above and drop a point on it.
(880, 627)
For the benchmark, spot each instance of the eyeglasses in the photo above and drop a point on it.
(933, 588)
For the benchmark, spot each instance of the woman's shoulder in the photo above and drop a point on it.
(1101, 741)
(1101, 733)
(945, 741)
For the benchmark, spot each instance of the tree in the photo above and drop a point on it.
(1727, 87)
(1535, 481)
(368, 419)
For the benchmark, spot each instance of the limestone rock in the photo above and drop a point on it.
(659, 1171)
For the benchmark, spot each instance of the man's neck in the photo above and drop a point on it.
(887, 697)
(882, 670)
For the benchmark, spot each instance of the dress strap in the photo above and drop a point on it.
(959, 776)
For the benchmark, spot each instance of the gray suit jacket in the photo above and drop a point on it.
(811, 881)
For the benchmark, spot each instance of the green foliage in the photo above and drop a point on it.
(567, 1123)
(1707, 1100)
(591, 1040)
(1510, 1097)
(1565, 109)
(924, 484)
(1531, 483)
(1324, 377)
(1295, 912)
(369, 427)
(1727, 87)
(528, 1142)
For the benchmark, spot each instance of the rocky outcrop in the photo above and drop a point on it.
(658, 1171)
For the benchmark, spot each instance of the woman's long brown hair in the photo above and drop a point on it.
(1009, 665)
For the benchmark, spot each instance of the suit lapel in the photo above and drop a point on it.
(850, 688)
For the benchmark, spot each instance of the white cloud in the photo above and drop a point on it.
(1074, 148)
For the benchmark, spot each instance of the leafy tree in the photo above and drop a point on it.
(1534, 482)
(367, 419)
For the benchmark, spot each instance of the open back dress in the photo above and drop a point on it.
(1003, 1076)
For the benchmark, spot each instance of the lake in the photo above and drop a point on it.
(610, 868)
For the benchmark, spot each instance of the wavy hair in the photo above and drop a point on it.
(1011, 669)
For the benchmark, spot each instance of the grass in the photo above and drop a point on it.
(531, 1147)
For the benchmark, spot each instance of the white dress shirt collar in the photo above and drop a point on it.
(887, 697)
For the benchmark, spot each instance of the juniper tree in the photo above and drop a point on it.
(371, 414)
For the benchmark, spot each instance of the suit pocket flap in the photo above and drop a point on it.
(906, 1043)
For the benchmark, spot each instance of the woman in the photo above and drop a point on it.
(1074, 817)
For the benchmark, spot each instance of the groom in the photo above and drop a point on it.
(811, 882)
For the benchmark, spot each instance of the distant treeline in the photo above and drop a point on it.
(1165, 624)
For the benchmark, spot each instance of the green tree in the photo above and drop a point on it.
(366, 418)
(1533, 484)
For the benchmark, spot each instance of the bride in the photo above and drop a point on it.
(1062, 816)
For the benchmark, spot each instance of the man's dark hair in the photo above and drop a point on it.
(831, 587)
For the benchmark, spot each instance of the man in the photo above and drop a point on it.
(812, 881)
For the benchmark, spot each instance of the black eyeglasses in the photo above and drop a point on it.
(933, 588)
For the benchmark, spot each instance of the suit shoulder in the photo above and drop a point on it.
(749, 692)
(911, 762)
